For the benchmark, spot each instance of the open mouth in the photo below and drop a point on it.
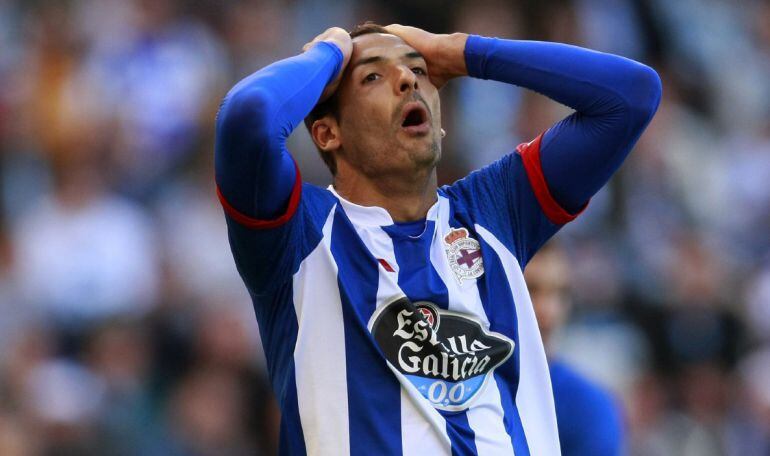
(414, 118)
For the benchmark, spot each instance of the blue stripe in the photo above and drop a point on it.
(292, 441)
(419, 280)
(374, 394)
(417, 277)
(511, 417)
(277, 322)
(497, 300)
(460, 434)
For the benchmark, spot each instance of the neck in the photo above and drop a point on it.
(405, 199)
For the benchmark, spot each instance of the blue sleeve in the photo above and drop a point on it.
(589, 418)
(255, 173)
(272, 218)
(614, 99)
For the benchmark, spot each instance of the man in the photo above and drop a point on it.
(588, 417)
(394, 314)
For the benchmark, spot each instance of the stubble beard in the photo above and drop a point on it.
(426, 157)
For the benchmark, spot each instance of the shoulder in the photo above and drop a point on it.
(577, 388)
(486, 188)
(588, 415)
(317, 201)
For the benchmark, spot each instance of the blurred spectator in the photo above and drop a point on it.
(64, 401)
(126, 329)
(588, 417)
(750, 434)
(83, 254)
(15, 439)
(206, 415)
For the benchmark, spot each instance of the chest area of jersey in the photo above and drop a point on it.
(430, 322)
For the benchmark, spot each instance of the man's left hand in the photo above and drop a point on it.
(444, 54)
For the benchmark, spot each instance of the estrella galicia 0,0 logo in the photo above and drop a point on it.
(447, 356)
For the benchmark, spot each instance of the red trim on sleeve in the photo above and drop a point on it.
(257, 224)
(530, 155)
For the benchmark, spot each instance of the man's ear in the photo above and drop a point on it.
(326, 133)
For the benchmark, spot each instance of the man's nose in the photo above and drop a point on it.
(407, 80)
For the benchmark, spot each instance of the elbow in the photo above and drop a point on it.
(645, 90)
(244, 108)
(241, 130)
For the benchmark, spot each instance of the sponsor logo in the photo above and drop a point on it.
(447, 356)
(464, 255)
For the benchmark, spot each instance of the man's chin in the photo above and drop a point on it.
(426, 154)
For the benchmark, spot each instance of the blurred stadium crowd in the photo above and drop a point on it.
(125, 329)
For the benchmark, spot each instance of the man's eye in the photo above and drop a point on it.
(418, 70)
(371, 77)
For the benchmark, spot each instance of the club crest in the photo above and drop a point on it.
(464, 255)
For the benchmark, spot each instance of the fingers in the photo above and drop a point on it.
(341, 39)
(397, 29)
(394, 28)
(406, 32)
(336, 35)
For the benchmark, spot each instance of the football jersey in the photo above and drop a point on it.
(382, 341)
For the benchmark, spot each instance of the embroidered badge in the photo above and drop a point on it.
(464, 255)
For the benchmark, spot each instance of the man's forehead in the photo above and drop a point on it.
(382, 44)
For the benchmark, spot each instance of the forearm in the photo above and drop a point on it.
(590, 82)
(614, 99)
(254, 171)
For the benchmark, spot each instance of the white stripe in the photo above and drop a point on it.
(380, 245)
(534, 398)
(321, 375)
(485, 416)
(463, 297)
(423, 429)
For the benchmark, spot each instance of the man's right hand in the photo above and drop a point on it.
(340, 38)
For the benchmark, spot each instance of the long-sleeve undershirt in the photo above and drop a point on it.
(614, 98)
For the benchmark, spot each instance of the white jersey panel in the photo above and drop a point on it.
(423, 429)
(485, 417)
(534, 397)
(321, 375)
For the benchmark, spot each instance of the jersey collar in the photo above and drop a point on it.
(375, 215)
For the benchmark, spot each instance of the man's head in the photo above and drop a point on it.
(548, 280)
(385, 116)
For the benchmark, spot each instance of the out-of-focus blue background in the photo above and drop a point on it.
(125, 329)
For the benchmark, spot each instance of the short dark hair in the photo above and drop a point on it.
(330, 106)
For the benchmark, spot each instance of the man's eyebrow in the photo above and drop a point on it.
(414, 55)
(378, 58)
(364, 61)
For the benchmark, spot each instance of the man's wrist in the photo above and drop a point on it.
(453, 54)
(476, 50)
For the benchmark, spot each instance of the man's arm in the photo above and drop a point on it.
(614, 99)
(254, 171)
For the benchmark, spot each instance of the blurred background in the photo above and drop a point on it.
(125, 329)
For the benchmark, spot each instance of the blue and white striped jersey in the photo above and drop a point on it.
(384, 340)
(380, 341)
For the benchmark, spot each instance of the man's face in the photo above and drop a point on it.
(547, 277)
(389, 111)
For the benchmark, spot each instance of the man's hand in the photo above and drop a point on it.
(340, 38)
(444, 54)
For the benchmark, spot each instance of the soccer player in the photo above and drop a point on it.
(394, 314)
(588, 417)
